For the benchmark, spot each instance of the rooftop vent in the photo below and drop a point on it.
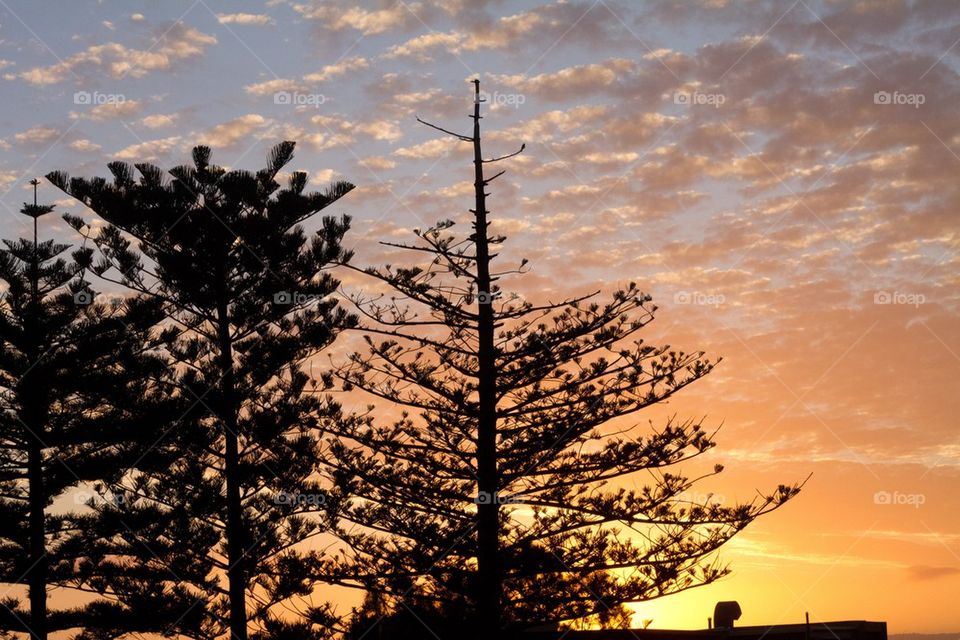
(725, 613)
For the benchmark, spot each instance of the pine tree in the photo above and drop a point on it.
(251, 295)
(493, 501)
(78, 382)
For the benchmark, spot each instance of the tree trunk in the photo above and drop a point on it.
(488, 594)
(235, 530)
(34, 420)
(37, 572)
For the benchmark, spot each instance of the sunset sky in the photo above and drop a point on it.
(781, 177)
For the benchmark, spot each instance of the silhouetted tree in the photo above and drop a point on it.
(495, 501)
(78, 389)
(249, 291)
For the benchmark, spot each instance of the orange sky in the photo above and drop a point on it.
(781, 177)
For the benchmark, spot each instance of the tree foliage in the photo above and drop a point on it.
(80, 391)
(499, 496)
(232, 487)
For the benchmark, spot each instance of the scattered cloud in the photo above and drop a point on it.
(84, 146)
(925, 572)
(426, 150)
(150, 150)
(322, 178)
(380, 130)
(336, 17)
(160, 120)
(230, 133)
(570, 82)
(377, 163)
(270, 87)
(177, 44)
(253, 19)
(120, 110)
(337, 69)
(37, 136)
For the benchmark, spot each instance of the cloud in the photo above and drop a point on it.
(611, 158)
(7, 178)
(570, 82)
(418, 97)
(322, 142)
(379, 130)
(377, 163)
(557, 23)
(137, 17)
(160, 120)
(228, 134)
(148, 151)
(426, 150)
(422, 47)
(123, 109)
(270, 87)
(37, 136)
(254, 19)
(84, 146)
(386, 130)
(338, 69)
(178, 44)
(322, 178)
(337, 17)
(925, 572)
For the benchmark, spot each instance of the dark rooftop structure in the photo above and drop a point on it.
(842, 630)
(724, 615)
